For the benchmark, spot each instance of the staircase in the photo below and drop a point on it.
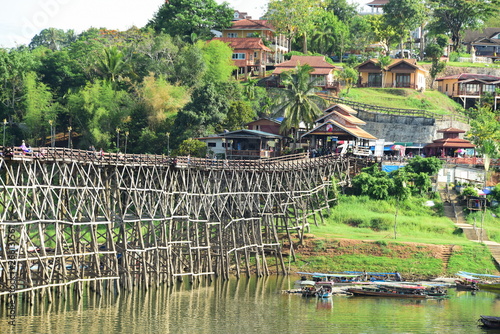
(446, 253)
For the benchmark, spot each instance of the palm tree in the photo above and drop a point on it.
(383, 62)
(112, 65)
(298, 100)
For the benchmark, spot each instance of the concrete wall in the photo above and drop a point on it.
(395, 128)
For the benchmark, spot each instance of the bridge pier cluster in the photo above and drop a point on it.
(67, 221)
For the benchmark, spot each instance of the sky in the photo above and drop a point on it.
(20, 20)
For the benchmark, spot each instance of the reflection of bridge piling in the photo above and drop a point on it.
(70, 217)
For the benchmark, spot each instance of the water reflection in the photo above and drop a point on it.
(250, 306)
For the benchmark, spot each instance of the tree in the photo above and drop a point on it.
(157, 53)
(14, 64)
(96, 111)
(294, 18)
(299, 102)
(383, 62)
(38, 109)
(485, 134)
(239, 113)
(112, 66)
(404, 15)
(52, 38)
(184, 17)
(218, 63)
(61, 72)
(455, 16)
(350, 76)
(383, 32)
(434, 51)
(205, 113)
(429, 166)
(330, 36)
(342, 9)
(161, 99)
(192, 147)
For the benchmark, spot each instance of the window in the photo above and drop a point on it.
(212, 144)
(250, 34)
(239, 56)
(374, 79)
(232, 34)
(489, 88)
(403, 80)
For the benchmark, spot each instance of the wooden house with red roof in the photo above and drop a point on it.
(400, 73)
(249, 54)
(448, 145)
(323, 71)
(468, 88)
(248, 28)
(338, 126)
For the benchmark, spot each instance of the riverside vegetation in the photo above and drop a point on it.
(393, 229)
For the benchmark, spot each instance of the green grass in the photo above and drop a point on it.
(358, 217)
(429, 100)
(459, 64)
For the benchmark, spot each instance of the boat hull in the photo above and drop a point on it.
(490, 287)
(490, 322)
(361, 292)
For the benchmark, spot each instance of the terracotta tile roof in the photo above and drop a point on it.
(249, 43)
(320, 65)
(411, 62)
(451, 130)
(377, 3)
(451, 143)
(332, 127)
(247, 24)
(468, 76)
(342, 113)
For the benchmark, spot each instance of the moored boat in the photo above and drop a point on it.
(480, 281)
(490, 321)
(393, 291)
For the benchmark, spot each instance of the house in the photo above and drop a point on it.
(486, 42)
(249, 54)
(468, 88)
(246, 28)
(323, 71)
(241, 16)
(337, 130)
(449, 145)
(251, 144)
(270, 125)
(400, 73)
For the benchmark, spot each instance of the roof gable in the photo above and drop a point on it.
(247, 24)
(318, 63)
(249, 43)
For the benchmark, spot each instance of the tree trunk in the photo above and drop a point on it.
(304, 42)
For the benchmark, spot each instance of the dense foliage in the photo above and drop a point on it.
(135, 86)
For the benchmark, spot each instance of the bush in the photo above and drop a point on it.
(469, 191)
(381, 224)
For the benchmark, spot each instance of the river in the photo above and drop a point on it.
(251, 306)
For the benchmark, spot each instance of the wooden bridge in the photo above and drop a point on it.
(116, 221)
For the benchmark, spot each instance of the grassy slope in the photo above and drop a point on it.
(404, 98)
(368, 220)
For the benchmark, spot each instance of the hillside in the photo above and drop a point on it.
(430, 100)
(358, 234)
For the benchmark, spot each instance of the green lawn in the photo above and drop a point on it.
(373, 221)
(429, 100)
